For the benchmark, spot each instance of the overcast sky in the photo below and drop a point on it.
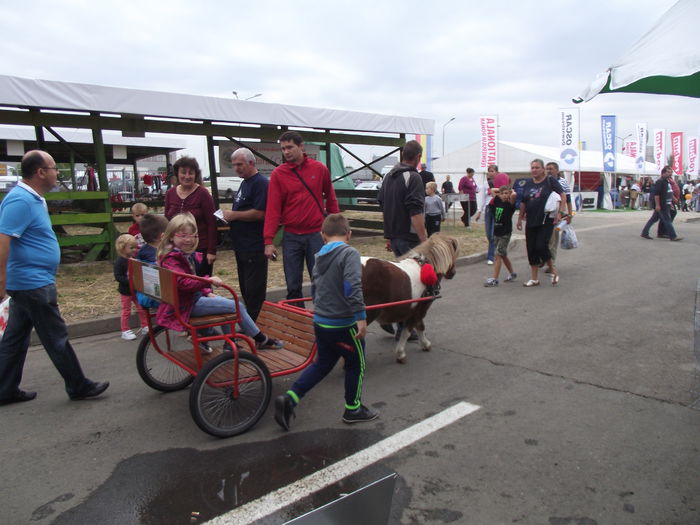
(463, 59)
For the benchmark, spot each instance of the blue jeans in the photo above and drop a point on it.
(488, 227)
(665, 217)
(297, 249)
(402, 246)
(38, 308)
(223, 305)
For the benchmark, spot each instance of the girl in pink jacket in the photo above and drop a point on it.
(177, 252)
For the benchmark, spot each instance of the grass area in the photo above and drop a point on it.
(88, 290)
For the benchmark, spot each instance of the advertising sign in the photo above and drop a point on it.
(642, 133)
(489, 141)
(607, 126)
(659, 149)
(569, 139)
(271, 150)
(677, 152)
(630, 148)
(693, 157)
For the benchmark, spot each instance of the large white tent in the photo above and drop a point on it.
(515, 157)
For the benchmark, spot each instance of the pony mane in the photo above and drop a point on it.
(439, 250)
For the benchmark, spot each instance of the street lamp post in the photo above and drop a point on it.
(443, 134)
(235, 93)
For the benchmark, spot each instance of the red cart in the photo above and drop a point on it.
(230, 389)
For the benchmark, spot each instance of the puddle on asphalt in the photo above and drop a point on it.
(186, 486)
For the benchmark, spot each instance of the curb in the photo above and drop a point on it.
(105, 325)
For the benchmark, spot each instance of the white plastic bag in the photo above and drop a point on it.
(4, 315)
(569, 241)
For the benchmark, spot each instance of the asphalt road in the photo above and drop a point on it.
(584, 392)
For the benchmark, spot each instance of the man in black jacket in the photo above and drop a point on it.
(402, 200)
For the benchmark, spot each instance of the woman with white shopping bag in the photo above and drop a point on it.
(541, 208)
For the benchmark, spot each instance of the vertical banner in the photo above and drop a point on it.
(659, 149)
(630, 149)
(641, 157)
(607, 127)
(693, 158)
(427, 142)
(489, 141)
(677, 152)
(569, 151)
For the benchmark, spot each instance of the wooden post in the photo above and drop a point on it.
(212, 170)
(72, 169)
(101, 159)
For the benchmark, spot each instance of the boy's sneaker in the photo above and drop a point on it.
(144, 330)
(360, 415)
(491, 282)
(128, 335)
(512, 277)
(284, 410)
(270, 344)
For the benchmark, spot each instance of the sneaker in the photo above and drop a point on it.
(645, 236)
(677, 239)
(662, 236)
(128, 335)
(270, 344)
(360, 415)
(491, 282)
(512, 277)
(489, 262)
(144, 330)
(284, 410)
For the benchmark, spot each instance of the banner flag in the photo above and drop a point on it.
(677, 152)
(642, 135)
(659, 149)
(607, 124)
(489, 141)
(693, 157)
(630, 148)
(569, 146)
(427, 157)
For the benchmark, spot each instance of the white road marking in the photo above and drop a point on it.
(277, 500)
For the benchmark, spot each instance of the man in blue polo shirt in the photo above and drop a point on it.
(29, 257)
(247, 220)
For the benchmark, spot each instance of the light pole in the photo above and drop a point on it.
(249, 98)
(443, 134)
(622, 141)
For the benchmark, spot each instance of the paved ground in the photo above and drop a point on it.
(584, 392)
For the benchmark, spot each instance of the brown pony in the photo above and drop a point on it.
(387, 282)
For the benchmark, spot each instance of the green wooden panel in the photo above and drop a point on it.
(81, 218)
(370, 225)
(96, 250)
(78, 240)
(76, 195)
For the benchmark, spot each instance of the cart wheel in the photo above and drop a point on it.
(217, 408)
(157, 371)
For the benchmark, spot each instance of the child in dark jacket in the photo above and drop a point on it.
(127, 247)
(340, 324)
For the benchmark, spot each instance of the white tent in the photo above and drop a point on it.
(515, 157)
(666, 60)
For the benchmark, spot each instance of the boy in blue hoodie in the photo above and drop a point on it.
(340, 324)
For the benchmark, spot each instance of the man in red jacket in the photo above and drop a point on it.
(300, 195)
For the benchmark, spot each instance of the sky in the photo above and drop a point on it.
(521, 60)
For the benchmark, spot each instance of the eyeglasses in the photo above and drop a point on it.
(186, 235)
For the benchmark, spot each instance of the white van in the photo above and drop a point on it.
(228, 186)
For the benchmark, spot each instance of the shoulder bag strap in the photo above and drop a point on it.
(323, 212)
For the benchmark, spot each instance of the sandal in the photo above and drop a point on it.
(531, 282)
(555, 279)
